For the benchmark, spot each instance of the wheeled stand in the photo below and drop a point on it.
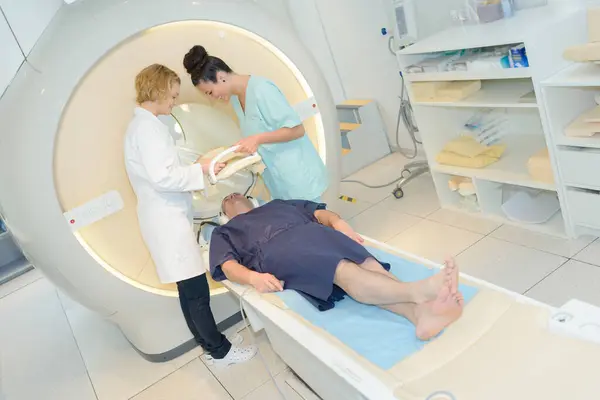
(410, 172)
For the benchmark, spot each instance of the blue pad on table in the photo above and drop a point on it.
(378, 335)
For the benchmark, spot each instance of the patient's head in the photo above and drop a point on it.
(236, 204)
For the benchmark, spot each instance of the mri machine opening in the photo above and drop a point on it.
(71, 154)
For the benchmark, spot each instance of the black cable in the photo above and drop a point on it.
(252, 184)
(405, 114)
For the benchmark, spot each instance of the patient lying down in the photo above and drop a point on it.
(303, 246)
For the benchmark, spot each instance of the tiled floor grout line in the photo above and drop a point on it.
(540, 250)
(87, 371)
(546, 276)
(586, 247)
(163, 378)
(24, 286)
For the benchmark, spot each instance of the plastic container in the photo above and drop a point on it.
(489, 12)
(531, 208)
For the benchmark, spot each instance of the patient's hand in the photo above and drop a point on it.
(266, 283)
(345, 228)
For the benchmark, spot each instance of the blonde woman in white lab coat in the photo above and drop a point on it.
(164, 187)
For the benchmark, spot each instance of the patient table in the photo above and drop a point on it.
(505, 346)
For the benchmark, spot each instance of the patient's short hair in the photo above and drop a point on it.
(154, 83)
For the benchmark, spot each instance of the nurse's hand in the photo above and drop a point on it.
(248, 145)
(266, 283)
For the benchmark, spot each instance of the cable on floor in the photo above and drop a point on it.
(405, 114)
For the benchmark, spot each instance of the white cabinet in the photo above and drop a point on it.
(579, 166)
(568, 95)
(545, 32)
(9, 54)
(29, 18)
(584, 206)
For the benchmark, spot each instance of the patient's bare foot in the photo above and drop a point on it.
(429, 288)
(432, 317)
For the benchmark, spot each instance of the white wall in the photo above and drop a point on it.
(28, 19)
(10, 57)
(365, 66)
(343, 35)
(307, 22)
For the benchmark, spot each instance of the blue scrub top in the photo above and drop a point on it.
(294, 169)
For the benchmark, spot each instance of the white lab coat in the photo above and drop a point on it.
(163, 186)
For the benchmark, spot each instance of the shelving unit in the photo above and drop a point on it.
(545, 32)
(567, 95)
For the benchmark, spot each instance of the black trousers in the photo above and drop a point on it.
(194, 296)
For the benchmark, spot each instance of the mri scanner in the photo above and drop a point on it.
(69, 205)
(68, 201)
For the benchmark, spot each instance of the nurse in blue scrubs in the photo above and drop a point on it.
(294, 170)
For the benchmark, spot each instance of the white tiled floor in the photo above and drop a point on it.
(52, 348)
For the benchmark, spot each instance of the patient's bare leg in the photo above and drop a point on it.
(430, 317)
(373, 265)
(373, 287)
(429, 287)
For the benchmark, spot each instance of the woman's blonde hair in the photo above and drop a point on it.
(154, 82)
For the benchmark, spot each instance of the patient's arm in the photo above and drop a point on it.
(264, 283)
(332, 220)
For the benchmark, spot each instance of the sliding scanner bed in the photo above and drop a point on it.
(505, 346)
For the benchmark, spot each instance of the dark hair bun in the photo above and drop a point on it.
(195, 59)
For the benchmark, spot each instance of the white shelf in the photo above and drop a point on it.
(576, 75)
(512, 167)
(493, 94)
(507, 73)
(592, 142)
(517, 29)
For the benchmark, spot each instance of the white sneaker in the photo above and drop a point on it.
(235, 339)
(236, 355)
